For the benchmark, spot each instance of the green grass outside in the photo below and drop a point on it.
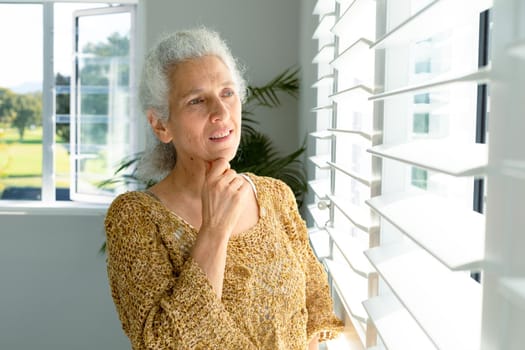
(10, 135)
(21, 162)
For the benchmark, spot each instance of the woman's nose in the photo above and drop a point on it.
(218, 110)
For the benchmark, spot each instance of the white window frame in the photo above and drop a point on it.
(75, 194)
(48, 203)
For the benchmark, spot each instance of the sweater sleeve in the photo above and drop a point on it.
(159, 307)
(321, 318)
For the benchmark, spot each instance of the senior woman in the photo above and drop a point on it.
(208, 258)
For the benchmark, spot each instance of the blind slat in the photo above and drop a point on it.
(324, 81)
(356, 20)
(349, 171)
(320, 187)
(322, 108)
(322, 135)
(323, 7)
(481, 75)
(325, 54)
(513, 289)
(451, 158)
(319, 240)
(453, 235)
(357, 50)
(320, 161)
(323, 29)
(330, 132)
(320, 216)
(359, 216)
(352, 250)
(357, 89)
(429, 20)
(389, 316)
(445, 304)
(363, 134)
(350, 288)
(344, 5)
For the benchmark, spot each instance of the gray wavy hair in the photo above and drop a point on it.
(159, 158)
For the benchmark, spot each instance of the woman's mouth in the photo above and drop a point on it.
(221, 135)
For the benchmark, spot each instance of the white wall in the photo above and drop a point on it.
(264, 35)
(54, 290)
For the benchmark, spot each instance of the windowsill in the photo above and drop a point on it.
(8, 207)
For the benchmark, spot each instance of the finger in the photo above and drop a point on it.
(229, 179)
(217, 167)
(243, 190)
(237, 182)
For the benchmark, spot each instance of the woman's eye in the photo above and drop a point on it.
(195, 101)
(228, 93)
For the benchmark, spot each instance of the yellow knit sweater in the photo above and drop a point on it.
(275, 293)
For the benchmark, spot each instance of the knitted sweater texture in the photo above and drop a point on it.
(275, 292)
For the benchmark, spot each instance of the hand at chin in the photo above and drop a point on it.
(224, 194)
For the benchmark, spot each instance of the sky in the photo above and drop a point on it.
(21, 42)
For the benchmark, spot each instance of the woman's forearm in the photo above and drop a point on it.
(209, 252)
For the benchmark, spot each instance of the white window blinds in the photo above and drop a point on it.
(401, 155)
(345, 174)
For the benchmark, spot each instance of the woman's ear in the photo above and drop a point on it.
(158, 127)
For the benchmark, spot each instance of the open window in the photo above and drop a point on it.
(67, 101)
(102, 116)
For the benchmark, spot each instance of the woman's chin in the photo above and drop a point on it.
(226, 154)
(230, 157)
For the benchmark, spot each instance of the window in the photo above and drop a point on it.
(65, 98)
(101, 98)
(415, 257)
(346, 175)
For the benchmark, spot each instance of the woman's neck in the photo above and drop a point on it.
(187, 179)
(180, 192)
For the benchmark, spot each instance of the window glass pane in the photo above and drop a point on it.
(63, 65)
(419, 177)
(448, 113)
(21, 101)
(420, 124)
(102, 101)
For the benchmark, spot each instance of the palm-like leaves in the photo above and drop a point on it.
(122, 175)
(268, 95)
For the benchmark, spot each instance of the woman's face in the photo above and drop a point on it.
(205, 110)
